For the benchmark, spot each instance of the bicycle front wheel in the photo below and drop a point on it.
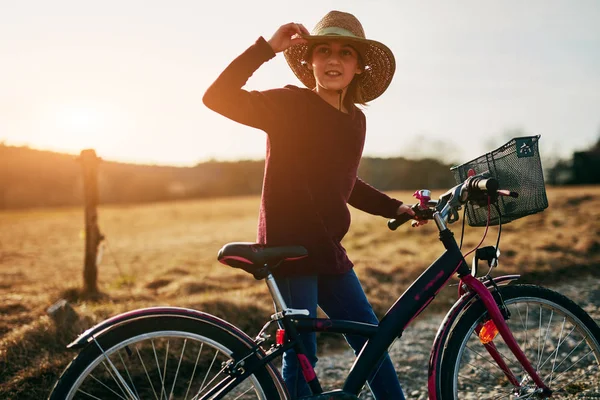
(162, 358)
(560, 339)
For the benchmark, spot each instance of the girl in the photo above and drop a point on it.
(315, 138)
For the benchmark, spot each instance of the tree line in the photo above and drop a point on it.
(35, 178)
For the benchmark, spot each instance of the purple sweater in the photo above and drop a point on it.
(313, 153)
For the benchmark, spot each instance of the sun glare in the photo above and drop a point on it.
(73, 128)
(79, 119)
(78, 126)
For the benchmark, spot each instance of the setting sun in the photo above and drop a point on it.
(75, 127)
(79, 119)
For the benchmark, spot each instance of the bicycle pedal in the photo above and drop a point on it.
(333, 395)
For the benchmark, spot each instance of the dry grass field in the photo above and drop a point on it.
(165, 254)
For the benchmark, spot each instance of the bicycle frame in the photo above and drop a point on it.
(396, 319)
(405, 309)
(410, 304)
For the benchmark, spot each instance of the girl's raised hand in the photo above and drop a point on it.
(288, 35)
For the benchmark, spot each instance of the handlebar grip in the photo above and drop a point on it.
(489, 185)
(393, 224)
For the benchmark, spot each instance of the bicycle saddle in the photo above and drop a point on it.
(258, 258)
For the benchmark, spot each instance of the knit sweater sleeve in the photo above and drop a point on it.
(366, 198)
(258, 109)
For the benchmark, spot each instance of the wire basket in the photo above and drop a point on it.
(518, 168)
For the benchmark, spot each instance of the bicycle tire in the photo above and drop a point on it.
(152, 342)
(573, 339)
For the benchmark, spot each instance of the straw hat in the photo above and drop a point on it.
(378, 59)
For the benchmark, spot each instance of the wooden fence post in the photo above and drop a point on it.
(93, 237)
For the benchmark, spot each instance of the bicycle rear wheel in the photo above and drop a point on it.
(559, 338)
(161, 357)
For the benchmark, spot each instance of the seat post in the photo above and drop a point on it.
(275, 293)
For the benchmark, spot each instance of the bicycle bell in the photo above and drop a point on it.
(423, 196)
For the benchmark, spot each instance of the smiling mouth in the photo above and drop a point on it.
(333, 73)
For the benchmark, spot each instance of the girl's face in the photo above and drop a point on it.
(334, 64)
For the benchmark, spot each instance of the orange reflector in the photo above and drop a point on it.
(280, 337)
(488, 332)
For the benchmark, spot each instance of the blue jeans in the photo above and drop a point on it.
(340, 297)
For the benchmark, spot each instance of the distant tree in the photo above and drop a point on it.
(586, 165)
(596, 147)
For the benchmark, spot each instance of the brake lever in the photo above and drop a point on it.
(453, 217)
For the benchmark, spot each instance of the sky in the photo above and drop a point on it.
(127, 77)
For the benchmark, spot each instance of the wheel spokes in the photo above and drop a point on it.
(560, 351)
(162, 368)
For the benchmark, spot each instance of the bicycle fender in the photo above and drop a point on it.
(152, 312)
(461, 305)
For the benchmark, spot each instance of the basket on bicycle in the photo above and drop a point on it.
(518, 168)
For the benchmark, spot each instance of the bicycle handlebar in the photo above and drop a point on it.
(394, 223)
(489, 185)
(420, 214)
(476, 189)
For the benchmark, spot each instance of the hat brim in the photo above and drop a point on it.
(378, 60)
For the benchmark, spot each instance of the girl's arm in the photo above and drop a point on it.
(366, 198)
(227, 97)
(257, 109)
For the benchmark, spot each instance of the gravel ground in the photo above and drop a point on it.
(411, 353)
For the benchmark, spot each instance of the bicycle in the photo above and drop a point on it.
(550, 347)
